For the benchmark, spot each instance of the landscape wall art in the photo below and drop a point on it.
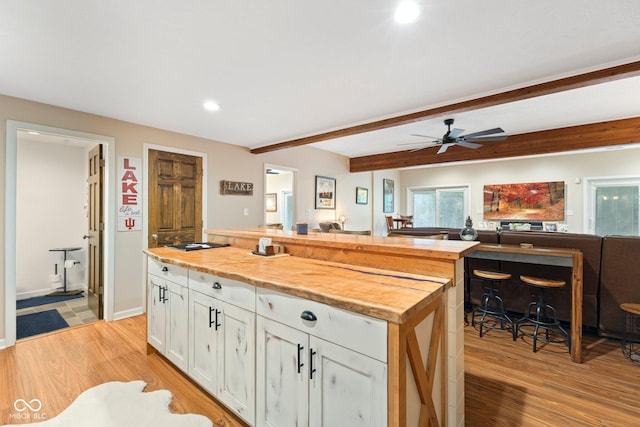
(536, 201)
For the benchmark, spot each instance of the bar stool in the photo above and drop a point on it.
(630, 343)
(491, 304)
(541, 315)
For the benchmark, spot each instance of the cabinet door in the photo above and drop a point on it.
(202, 345)
(235, 343)
(177, 306)
(347, 388)
(156, 321)
(281, 375)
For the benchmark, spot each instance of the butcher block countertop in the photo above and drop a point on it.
(388, 295)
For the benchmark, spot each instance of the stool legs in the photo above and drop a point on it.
(630, 343)
(491, 305)
(545, 317)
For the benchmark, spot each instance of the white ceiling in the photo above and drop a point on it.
(283, 69)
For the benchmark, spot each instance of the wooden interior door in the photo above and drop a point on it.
(175, 198)
(94, 233)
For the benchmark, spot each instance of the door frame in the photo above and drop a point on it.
(109, 199)
(294, 191)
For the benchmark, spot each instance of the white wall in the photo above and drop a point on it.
(567, 168)
(50, 213)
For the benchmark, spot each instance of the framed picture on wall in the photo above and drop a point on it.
(325, 192)
(387, 195)
(362, 196)
(271, 202)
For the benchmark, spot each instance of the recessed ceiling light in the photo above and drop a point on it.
(406, 12)
(211, 106)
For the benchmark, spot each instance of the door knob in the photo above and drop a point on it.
(86, 236)
(154, 236)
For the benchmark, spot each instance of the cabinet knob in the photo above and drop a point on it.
(165, 269)
(216, 285)
(308, 315)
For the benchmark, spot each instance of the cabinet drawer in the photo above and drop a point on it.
(168, 271)
(358, 332)
(228, 290)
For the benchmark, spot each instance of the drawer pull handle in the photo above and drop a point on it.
(165, 269)
(216, 285)
(300, 364)
(216, 322)
(211, 322)
(308, 315)
(311, 368)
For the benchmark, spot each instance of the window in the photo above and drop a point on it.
(613, 206)
(439, 207)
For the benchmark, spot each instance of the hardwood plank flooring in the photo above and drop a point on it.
(506, 384)
(57, 367)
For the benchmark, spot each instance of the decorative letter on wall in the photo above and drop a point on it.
(129, 202)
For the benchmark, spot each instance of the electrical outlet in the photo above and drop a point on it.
(246, 211)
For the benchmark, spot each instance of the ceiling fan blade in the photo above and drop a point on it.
(414, 143)
(424, 136)
(483, 132)
(455, 132)
(444, 148)
(469, 145)
(485, 138)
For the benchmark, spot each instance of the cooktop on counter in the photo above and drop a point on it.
(197, 246)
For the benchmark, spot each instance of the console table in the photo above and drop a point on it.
(562, 257)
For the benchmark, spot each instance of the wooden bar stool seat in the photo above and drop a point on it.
(539, 314)
(630, 343)
(491, 304)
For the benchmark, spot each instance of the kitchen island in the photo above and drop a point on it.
(440, 258)
(350, 325)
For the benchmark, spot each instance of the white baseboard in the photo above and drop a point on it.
(128, 313)
(2, 344)
(42, 292)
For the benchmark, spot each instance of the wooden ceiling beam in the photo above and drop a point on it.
(604, 134)
(574, 82)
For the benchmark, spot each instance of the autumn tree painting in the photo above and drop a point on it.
(537, 201)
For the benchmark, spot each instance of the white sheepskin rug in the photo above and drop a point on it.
(120, 404)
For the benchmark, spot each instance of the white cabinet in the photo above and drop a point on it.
(318, 365)
(168, 324)
(222, 340)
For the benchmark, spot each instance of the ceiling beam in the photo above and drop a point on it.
(574, 82)
(604, 134)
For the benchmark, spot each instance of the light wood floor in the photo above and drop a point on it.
(57, 367)
(506, 383)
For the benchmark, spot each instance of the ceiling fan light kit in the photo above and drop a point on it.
(454, 137)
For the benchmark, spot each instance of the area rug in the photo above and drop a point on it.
(31, 324)
(113, 404)
(36, 301)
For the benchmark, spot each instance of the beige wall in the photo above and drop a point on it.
(224, 162)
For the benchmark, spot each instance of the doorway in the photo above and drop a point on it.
(280, 184)
(19, 246)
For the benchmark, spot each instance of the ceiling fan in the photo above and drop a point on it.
(454, 137)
